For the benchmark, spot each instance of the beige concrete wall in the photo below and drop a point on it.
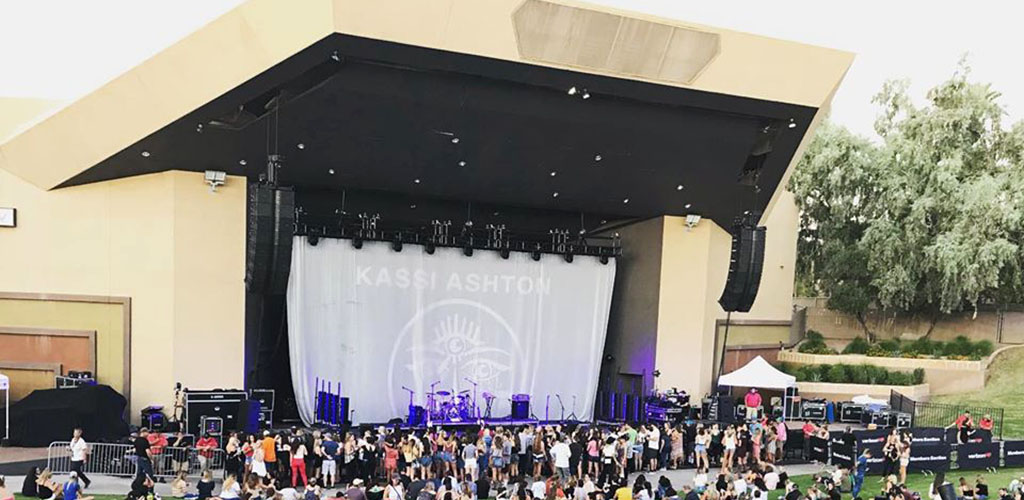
(942, 375)
(1006, 327)
(846, 392)
(164, 241)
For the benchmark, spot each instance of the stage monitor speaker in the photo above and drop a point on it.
(271, 216)
(745, 263)
(520, 410)
(249, 417)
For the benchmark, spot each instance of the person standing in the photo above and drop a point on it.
(79, 452)
(561, 453)
(143, 455)
(269, 446)
(753, 403)
(860, 469)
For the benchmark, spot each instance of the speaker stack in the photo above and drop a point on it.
(269, 239)
(745, 263)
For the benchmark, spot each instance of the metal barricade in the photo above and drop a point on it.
(120, 460)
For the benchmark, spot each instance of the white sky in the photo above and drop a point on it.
(60, 49)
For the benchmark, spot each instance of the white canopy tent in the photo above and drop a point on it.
(758, 373)
(5, 385)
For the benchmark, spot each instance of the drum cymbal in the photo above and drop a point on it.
(443, 393)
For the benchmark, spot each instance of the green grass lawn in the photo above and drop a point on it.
(920, 482)
(1002, 390)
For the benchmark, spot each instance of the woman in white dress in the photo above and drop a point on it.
(259, 466)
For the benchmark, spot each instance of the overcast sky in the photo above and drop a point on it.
(63, 49)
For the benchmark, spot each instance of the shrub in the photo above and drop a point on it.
(814, 335)
(890, 345)
(982, 348)
(837, 373)
(877, 350)
(859, 345)
(918, 376)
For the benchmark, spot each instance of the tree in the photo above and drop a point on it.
(930, 220)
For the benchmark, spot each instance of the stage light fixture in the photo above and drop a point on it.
(496, 214)
(686, 206)
(413, 206)
(242, 162)
(330, 171)
(467, 251)
(535, 255)
(792, 124)
(586, 95)
(199, 128)
(455, 140)
(572, 90)
(504, 252)
(568, 257)
(429, 248)
(597, 157)
(300, 146)
(357, 243)
(416, 181)
(145, 154)
(462, 163)
(553, 173)
(604, 259)
(313, 239)
(679, 187)
(625, 200)
(555, 194)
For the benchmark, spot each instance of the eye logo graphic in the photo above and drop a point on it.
(449, 341)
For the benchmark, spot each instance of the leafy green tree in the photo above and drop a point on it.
(930, 220)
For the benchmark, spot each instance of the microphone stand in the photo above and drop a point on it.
(562, 406)
(476, 409)
(572, 416)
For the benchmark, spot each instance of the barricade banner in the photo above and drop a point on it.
(842, 454)
(818, 450)
(927, 435)
(977, 455)
(1013, 453)
(975, 436)
(930, 457)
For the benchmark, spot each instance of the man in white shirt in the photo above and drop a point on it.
(79, 450)
(740, 485)
(560, 452)
(653, 447)
(538, 488)
(771, 480)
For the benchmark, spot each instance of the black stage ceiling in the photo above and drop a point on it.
(416, 133)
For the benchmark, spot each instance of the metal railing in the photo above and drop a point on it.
(942, 415)
(120, 460)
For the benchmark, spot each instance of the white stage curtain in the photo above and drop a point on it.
(375, 320)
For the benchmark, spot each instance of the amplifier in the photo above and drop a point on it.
(264, 396)
(222, 404)
(903, 420)
(851, 413)
(812, 410)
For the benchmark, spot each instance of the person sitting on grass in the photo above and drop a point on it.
(980, 488)
(72, 490)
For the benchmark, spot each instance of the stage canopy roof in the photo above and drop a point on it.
(758, 373)
(556, 106)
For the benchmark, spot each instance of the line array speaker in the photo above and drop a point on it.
(745, 263)
(271, 226)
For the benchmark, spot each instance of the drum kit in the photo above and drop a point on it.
(445, 406)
